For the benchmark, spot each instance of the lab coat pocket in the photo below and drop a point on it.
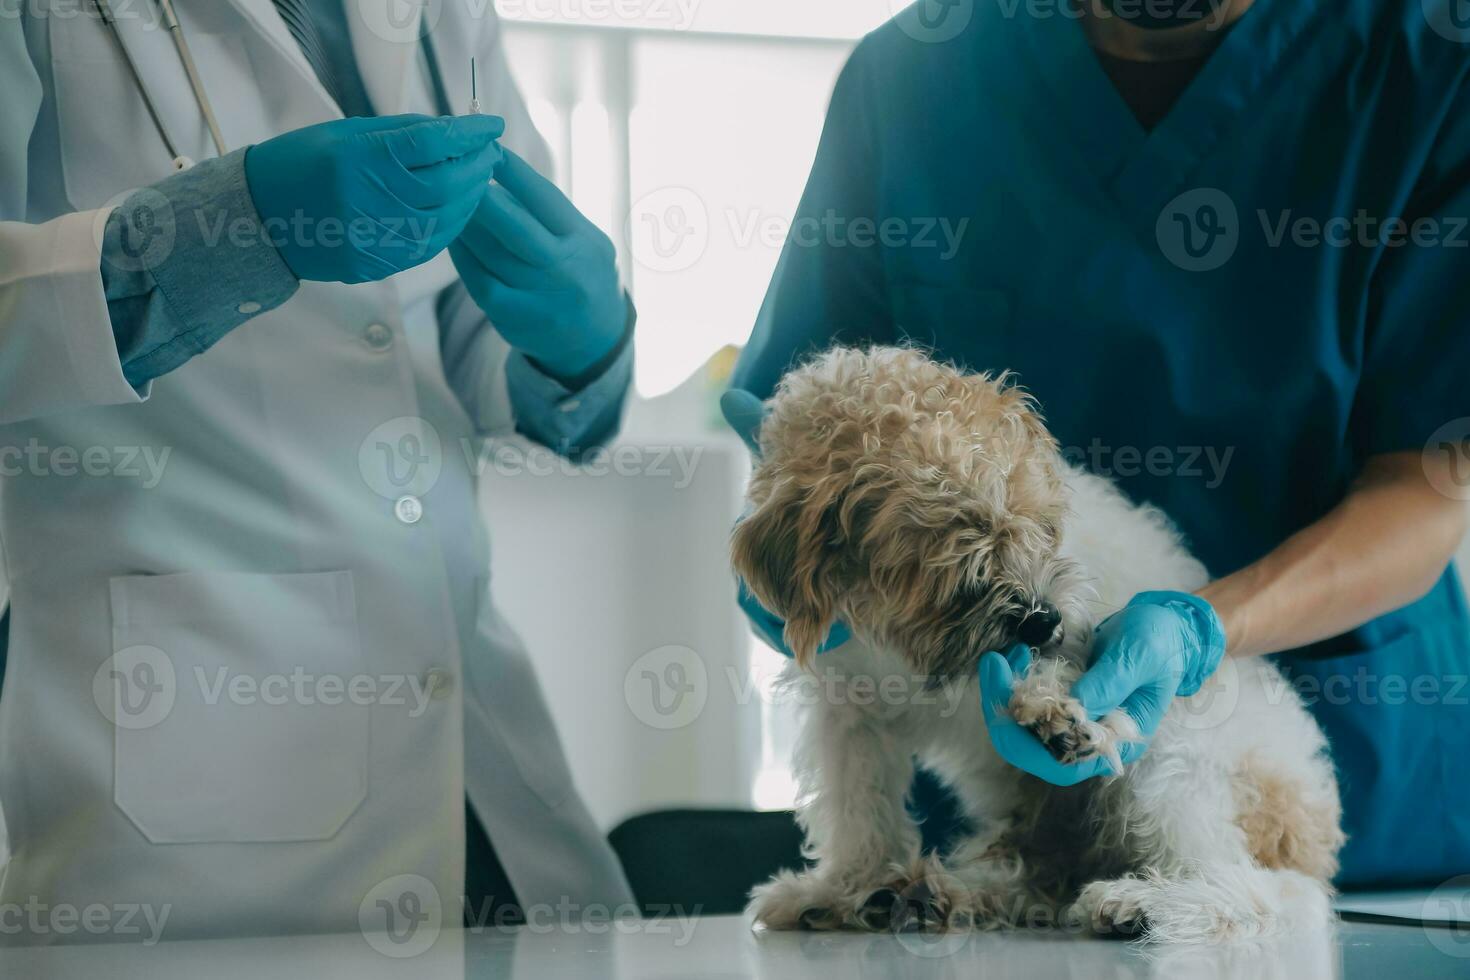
(232, 706)
(950, 318)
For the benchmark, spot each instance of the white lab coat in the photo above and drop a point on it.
(264, 551)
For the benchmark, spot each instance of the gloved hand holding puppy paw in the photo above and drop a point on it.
(1160, 645)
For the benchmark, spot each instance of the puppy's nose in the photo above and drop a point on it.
(1039, 625)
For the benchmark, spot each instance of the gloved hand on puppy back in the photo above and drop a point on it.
(1159, 646)
(744, 412)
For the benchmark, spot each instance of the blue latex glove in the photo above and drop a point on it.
(545, 276)
(1160, 645)
(357, 200)
(745, 413)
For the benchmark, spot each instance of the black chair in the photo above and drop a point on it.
(704, 861)
(709, 860)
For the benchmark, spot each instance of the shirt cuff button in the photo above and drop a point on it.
(248, 307)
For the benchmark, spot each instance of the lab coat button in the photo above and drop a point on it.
(378, 337)
(439, 683)
(409, 510)
(248, 307)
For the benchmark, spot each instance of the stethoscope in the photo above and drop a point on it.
(166, 9)
(171, 21)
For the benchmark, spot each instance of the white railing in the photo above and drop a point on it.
(690, 148)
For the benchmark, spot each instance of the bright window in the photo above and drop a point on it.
(686, 130)
(841, 19)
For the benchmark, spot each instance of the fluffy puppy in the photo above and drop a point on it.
(931, 511)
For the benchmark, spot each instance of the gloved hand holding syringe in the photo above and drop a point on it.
(544, 275)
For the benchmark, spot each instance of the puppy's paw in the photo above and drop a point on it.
(1217, 903)
(919, 897)
(1117, 907)
(1041, 701)
(930, 899)
(795, 901)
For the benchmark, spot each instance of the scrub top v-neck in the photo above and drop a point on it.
(989, 194)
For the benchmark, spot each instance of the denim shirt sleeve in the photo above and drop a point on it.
(184, 262)
(572, 421)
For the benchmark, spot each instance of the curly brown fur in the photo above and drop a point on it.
(901, 495)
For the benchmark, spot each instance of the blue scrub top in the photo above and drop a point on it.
(991, 195)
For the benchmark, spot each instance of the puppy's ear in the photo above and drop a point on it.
(780, 552)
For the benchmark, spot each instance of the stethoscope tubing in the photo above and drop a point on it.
(196, 84)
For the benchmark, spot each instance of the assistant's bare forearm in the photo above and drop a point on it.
(1382, 548)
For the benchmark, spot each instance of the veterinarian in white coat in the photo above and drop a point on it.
(255, 670)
